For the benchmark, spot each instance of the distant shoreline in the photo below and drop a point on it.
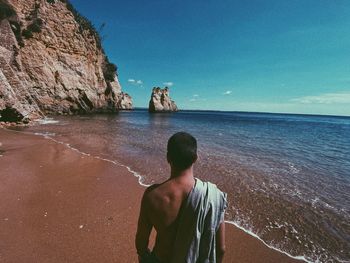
(255, 112)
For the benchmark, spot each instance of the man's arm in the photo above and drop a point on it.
(220, 243)
(144, 229)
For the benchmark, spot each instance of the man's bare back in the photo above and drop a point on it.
(164, 202)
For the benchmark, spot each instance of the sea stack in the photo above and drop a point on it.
(52, 62)
(161, 101)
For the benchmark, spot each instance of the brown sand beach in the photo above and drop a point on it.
(58, 205)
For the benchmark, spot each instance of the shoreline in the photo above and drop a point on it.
(94, 173)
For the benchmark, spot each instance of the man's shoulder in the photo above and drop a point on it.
(150, 190)
(214, 192)
(150, 195)
(156, 191)
(208, 184)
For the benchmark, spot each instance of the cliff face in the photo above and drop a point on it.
(161, 101)
(51, 62)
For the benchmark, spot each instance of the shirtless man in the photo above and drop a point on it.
(164, 206)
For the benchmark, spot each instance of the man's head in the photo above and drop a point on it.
(182, 150)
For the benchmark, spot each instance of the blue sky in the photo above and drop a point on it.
(271, 56)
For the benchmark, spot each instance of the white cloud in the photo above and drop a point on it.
(193, 99)
(195, 95)
(227, 92)
(168, 84)
(326, 98)
(136, 82)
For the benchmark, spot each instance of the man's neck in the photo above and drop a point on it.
(176, 173)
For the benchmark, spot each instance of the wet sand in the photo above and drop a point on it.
(60, 206)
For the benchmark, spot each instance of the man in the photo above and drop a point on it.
(187, 214)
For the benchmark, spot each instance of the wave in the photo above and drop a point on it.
(47, 120)
(251, 233)
(134, 173)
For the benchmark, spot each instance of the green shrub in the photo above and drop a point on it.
(109, 70)
(6, 10)
(34, 27)
(27, 34)
(50, 1)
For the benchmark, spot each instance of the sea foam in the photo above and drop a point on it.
(47, 120)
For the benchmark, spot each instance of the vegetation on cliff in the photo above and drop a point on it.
(34, 27)
(109, 69)
(6, 10)
(84, 23)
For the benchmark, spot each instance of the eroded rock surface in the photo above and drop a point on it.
(161, 101)
(51, 63)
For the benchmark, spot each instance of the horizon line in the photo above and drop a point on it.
(259, 112)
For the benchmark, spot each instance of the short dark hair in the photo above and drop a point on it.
(182, 150)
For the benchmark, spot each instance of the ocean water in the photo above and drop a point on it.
(287, 176)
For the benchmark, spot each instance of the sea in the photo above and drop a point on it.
(287, 176)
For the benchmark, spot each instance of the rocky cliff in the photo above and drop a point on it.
(52, 62)
(161, 101)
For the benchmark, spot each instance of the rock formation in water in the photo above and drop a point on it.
(161, 101)
(52, 62)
